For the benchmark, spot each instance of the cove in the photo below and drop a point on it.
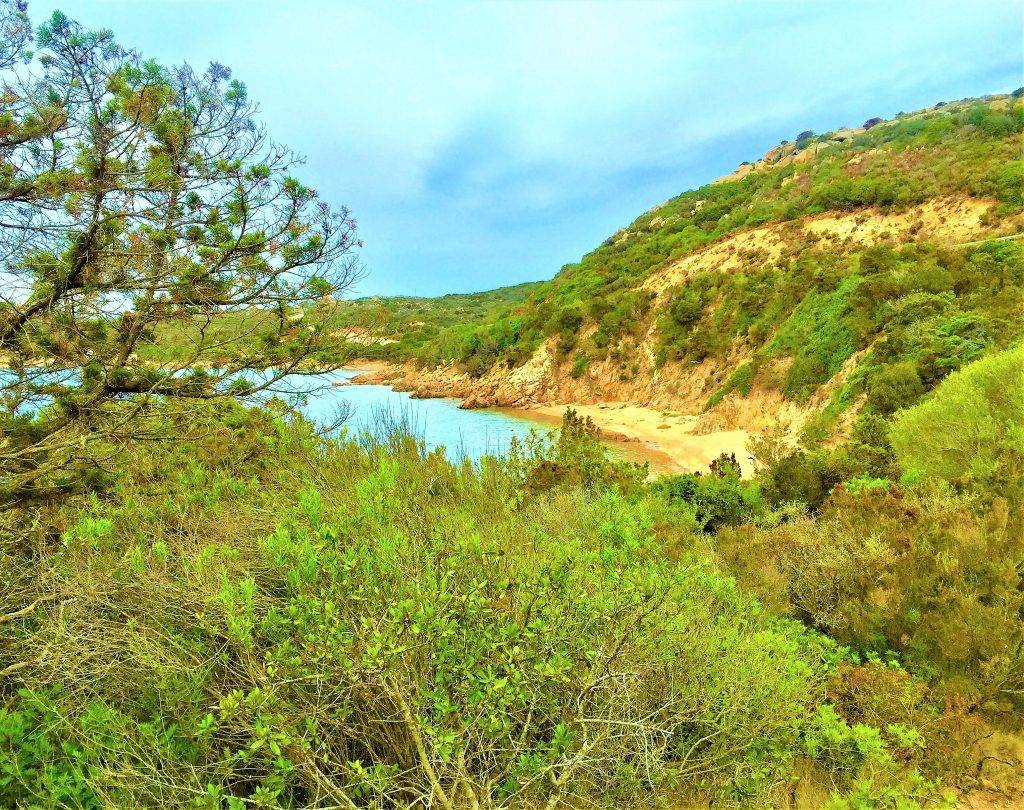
(438, 423)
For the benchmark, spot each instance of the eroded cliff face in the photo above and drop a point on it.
(632, 374)
(674, 387)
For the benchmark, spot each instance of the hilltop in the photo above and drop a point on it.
(842, 273)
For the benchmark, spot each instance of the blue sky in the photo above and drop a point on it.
(484, 144)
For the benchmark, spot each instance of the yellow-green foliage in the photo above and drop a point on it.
(931, 576)
(971, 429)
(256, 616)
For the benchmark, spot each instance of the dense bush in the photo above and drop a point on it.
(794, 475)
(895, 387)
(932, 576)
(971, 429)
(718, 499)
(257, 616)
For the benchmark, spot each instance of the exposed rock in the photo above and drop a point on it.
(844, 135)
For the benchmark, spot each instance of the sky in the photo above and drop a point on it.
(489, 143)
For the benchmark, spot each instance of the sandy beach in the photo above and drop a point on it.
(667, 439)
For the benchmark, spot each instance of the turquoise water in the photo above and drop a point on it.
(376, 409)
(438, 422)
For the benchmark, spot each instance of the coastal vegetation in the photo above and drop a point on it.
(260, 615)
(209, 602)
(971, 148)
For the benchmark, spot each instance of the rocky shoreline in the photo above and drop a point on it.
(674, 442)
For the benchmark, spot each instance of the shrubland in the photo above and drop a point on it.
(258, 615)
(910, 545)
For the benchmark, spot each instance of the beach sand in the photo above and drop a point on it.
(667, 439)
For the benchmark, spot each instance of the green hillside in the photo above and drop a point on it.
(917, 302)
(393, 327)
(431, 329)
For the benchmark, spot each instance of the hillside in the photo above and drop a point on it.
(842, 273)
(372, 326)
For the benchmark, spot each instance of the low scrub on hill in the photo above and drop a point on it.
(432, 330)
(914, 314)
(886, 317)
(971, 148)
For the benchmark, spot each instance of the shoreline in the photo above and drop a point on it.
(667, 436)
(631, 448)
(366, 366)
(666, 440)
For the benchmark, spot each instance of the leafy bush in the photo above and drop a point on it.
(971, 429)
(719, 499)
(576, 458)
(932, 576)
(895, 387)
(263, 617)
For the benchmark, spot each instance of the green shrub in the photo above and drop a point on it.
(927, 575)
(1009, 183)
(818, 338)
(263, 617)
(805, 477)
(719, 499)
(36, 762)
(579, 366)
(895, 387)
(970, 430)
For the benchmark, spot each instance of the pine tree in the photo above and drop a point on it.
(138, 201)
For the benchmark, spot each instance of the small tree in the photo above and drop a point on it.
(137, 203)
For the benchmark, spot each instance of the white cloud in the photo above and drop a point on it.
(504, 138)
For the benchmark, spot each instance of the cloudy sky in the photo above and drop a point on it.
(488, 143)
